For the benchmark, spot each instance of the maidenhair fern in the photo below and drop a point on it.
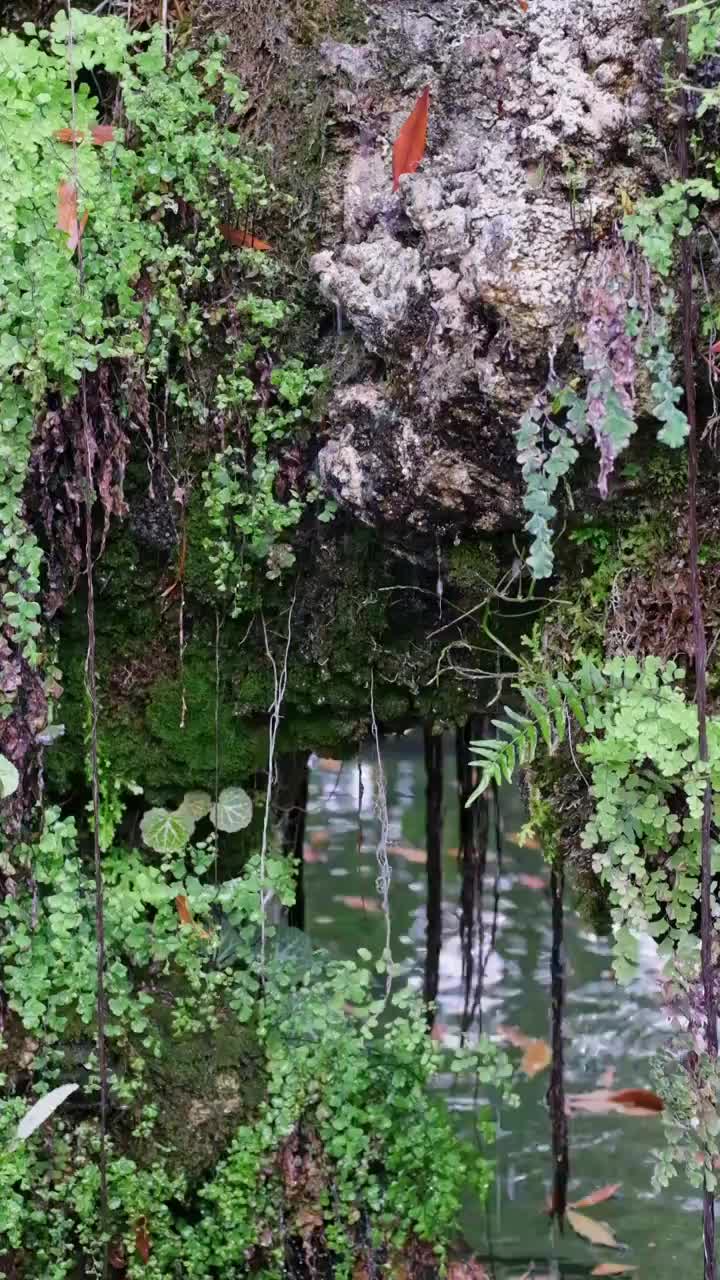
(620, 333)
(637, 736)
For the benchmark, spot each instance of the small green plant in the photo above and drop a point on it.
(638, 734)
(346, 1082)
(168, 831)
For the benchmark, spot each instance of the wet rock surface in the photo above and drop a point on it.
(461, 285)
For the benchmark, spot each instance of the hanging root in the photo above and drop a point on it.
(381, 853)
(279, 686)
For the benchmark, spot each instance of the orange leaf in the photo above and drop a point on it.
(611, 1269)
(142, 1241)
(537, 1056)
(597, 1197)
(243, 239)
(100, 134)
(67, 214)
(371, 905)
(524, 5)
(593, 1230)
(409, 146)
(183, 909)
(642, 1098)
(626, 1102)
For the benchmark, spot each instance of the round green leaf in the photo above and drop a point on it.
(9, 778)
(196, 804)
(166, 832)
(233, 811)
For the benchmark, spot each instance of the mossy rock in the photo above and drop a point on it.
(205, 1086)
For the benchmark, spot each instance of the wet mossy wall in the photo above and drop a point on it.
(169, 720)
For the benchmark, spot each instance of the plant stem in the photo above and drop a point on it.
(706, 921)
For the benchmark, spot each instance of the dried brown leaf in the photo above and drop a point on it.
(612, 1269)
(591, 1229)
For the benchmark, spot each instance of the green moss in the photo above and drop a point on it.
(472, 566)
(205, 1087)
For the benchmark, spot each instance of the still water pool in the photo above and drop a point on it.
(610, 1032)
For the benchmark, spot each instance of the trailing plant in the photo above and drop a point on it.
(622, 332)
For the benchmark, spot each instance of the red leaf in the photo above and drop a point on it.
(243, 239)
(100, 134)
(524, 5)
(142, 1241)
(638, 1098)
(597, 1197)
(409, 146)
(183, 909)
(67, 214)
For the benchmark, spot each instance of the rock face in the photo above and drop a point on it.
(461, 285)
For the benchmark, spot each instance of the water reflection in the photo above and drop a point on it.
(605, 1027)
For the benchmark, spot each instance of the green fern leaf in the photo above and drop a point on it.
(540, 713)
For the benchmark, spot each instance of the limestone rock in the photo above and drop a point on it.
(461, 286)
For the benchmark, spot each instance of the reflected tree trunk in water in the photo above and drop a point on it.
(433, 828)
(472, 854)
(291, 807)
(556, 1092)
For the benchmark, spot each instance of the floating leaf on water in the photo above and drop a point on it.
(197, 804)
(313, 855)
(597, 1197)
(537, 1056)
(9, 778)
(166, 832)
(635, 1099)
(42, 1110)
(371, 905)
(624, 1102)
(233, 811)
(531, 882)
(592, 1230)
(407, 852)
(612, 1269)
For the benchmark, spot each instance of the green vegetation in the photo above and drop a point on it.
(341, 1083)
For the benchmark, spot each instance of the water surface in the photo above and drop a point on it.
(606, 1027)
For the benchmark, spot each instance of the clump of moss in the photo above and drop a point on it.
(205, 1086)
(472, 566)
